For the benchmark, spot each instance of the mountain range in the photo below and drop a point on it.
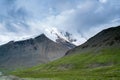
(31, 52)
(96, 59)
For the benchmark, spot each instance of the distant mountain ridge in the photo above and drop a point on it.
(106, 38)
(30, 52)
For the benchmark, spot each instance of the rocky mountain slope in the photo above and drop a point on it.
(64, 42)
(30, 52)
(106, 38)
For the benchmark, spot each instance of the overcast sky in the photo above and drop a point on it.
(21, 19)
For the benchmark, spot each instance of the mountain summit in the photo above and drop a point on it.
(30, 52)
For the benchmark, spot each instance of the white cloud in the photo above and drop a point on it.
(103, 1)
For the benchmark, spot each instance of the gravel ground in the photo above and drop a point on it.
(16, 78)
(10, 78)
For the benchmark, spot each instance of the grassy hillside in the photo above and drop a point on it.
(102, 64)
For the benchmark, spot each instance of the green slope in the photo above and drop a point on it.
(102, 64)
